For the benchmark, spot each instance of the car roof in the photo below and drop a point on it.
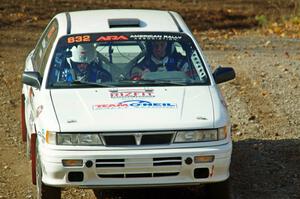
(92, 21)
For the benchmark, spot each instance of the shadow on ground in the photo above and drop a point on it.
(268, 160)
(257, 157)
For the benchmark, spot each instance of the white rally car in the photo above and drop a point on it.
(124, 99)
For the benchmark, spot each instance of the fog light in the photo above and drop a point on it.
(204, 159)
(89, 164)
(72, 163)
(188, 161)
(75, 176)
(201, 173)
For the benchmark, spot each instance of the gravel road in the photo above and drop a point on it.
(263, 102)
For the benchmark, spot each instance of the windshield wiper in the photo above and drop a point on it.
(78, 83)
(153, 82)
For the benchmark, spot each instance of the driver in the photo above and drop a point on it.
(85, 66)
(160, 58)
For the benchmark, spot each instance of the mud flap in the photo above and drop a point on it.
(33, 157)
(23, 124)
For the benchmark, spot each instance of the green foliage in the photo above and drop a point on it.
(296, 20)
(261, 20)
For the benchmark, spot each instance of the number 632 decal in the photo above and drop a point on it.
(79, 39)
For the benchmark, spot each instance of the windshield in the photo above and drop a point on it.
(126, 59)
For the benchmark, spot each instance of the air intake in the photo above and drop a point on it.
(124, 23)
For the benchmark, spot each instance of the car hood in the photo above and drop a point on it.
(125, 109)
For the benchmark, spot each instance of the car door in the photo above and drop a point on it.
(38, 61)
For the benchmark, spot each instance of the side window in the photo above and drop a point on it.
(51, 38)
(44, 46)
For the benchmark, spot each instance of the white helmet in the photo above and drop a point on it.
(83, 53)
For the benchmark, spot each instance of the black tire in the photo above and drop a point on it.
(219, 190)
(109, 194)
(102, 194)
(44, 191)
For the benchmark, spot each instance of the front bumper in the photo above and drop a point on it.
(136, 168)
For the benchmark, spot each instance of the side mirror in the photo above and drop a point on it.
(31, 78)
(223, 74)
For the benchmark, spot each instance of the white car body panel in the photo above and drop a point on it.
(98, 110)
(163, 19)
(55, 173)
(189, 112)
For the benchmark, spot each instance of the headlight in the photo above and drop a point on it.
(201, 135)
(78, 139)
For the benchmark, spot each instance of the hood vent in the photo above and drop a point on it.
(124, 23)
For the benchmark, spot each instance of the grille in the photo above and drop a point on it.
(147, 167)
(156, 139)
(169, 161)
(119, 140)
(110, 163)
(139, 175)
(162, 161)
(137, 139)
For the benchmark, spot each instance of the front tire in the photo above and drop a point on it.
(102, 194)
(219, 190)
(44, 191)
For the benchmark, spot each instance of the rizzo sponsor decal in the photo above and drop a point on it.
(135, 104)
(131, 93)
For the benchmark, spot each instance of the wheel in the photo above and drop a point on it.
(23, 122)
(219, 190)
(101, 194)
(109, 194)
(44, 191)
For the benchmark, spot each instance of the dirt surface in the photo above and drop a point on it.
(263, 100)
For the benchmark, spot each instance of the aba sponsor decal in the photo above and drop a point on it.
(89, 38)
(131, 93)
(135, 104)
(113, 38)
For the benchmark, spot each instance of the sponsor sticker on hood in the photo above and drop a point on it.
(135, 104)
(131, 93)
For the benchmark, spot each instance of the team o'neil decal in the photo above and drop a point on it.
(134, 104)
(132, 93)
